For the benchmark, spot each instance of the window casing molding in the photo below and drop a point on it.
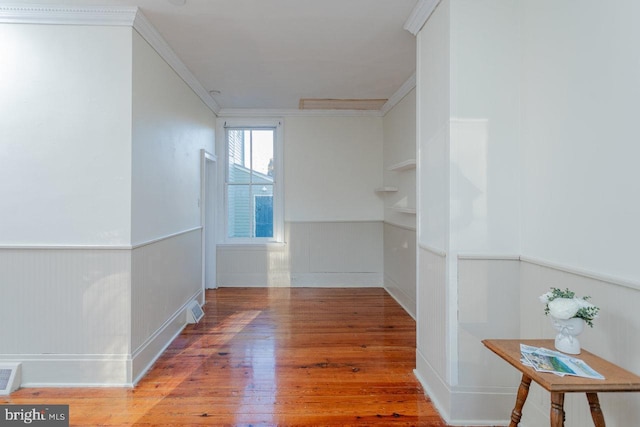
(278, 183)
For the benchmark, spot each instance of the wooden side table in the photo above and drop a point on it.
(616, 380)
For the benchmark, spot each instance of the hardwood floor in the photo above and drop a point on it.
(271, 356)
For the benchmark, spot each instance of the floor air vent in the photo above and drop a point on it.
(10, 378)
(194, 312)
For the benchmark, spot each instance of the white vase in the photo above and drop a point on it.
(568, 331)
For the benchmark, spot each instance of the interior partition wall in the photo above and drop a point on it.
(101, 239)
(518, 193)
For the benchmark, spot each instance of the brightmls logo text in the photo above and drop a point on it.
(27, 416)
(35, 415)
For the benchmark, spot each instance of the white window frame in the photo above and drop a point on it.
(278, 181)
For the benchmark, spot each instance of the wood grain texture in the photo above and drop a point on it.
(267, 357)
(521, 398)
(616, 379)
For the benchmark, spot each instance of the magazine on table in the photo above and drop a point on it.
(545, 360)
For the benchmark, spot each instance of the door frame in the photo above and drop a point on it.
(208, 216)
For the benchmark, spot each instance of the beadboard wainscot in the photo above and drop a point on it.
(400, 265)
(617, 321)
(320, 254)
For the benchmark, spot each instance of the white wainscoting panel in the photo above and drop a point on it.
(339, 254)
(400, 265)
(432, 310)
(345, 247)
(166, 275)
(66, 307)
(614, 337)
(488, 307)
(488, 303)
(431, 335)
(253, 265)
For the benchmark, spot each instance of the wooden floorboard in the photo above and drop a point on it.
(271, 357)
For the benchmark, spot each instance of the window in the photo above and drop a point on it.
(252, 190)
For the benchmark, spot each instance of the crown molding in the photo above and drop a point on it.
(419, 15)
(108, 16)
(133, 17)
(67, 15)
(406, 87)
(142, 25)
(275, 112)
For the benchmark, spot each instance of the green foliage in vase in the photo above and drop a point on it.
(567, 305)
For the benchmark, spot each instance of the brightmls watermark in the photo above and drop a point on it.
(34, 415)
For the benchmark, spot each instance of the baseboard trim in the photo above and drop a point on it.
(73, 370)
(301, 280)
(335, 221)
(477, 402)
(337, 280)
(100, 370)
(448, 400)
(435, 388)
(148, 353)
(391, 291)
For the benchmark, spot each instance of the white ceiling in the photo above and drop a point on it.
(270, 53)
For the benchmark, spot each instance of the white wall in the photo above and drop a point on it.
(484, 216)
(433, 105)
(65, 135)
(333, 216)
(69, 311)
(485, 126)
(170, 126)
(65, 103)
(614, 337)
(468, 111)
(316, 254)
(580, 179)
(332, 166)
(399, 131)
(433, 296)
(580, 182)
(90, 170)
(537, 197)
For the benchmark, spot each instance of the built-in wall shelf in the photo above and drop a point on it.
(410, 211)
(403, 166)
(386, 189)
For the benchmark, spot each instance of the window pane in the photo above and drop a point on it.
(263, 208)
(239, 219)
(262, 152)
(250, 182)
(238, 151)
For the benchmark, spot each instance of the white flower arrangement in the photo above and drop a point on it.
(565, 305)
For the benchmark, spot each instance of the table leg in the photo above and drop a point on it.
(557, 409)
(596, 412)
(523, 392)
